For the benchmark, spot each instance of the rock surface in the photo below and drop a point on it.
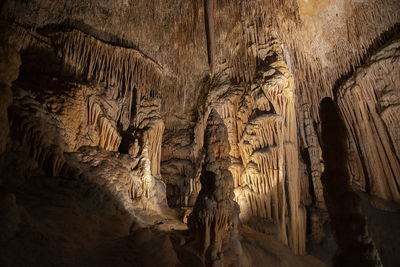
(168, 114)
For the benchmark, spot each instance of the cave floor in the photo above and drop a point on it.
(61, 223)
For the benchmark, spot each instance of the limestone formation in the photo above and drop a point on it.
(9, 65)
(369, 103)
(261, 125)
(214, 220)
(268, 146)
(149, 124)
(198, 123)
(85, 56)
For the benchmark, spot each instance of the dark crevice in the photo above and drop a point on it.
(344, 206)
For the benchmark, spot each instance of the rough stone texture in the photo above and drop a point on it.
(149, 127)
(369, 102)
(116, 95)
(261, 125)
(214, 219)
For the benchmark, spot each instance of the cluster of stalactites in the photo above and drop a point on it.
(259, 27)
(369, 103)
(109, 138)
(261, 148)
(315, 79)
(149, 124)
(118, 68)
(262, 133)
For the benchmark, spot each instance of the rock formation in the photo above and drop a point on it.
(369, 101)
(202, 125)
(355, 245)
(214, 219)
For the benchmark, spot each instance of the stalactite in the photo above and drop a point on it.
(109, 136)
(149, 124)
(94, 111)
(368, 102)
(118, 68)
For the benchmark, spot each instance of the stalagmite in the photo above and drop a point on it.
(214, 219)
(149, 125)
(312, 144)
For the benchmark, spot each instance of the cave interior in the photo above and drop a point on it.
(199, 133)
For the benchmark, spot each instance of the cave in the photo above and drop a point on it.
(199, 133)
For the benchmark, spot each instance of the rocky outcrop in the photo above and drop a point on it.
(9, 69)
(36, 131)
(127, 179)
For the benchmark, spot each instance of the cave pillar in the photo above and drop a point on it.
(214, 219)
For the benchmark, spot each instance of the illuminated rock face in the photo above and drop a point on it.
(63, 125)
(206, 105)
(267, 134)
(262, 132)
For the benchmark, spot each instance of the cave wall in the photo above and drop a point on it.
(72, 125)
(369, 103)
